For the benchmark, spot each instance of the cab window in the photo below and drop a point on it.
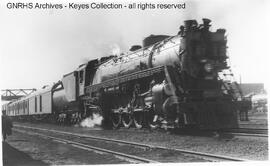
(81, 75)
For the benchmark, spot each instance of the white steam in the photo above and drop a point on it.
(92, 121)
(115, 49)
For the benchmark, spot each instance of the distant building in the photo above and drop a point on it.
(258, 95)
(252, 88)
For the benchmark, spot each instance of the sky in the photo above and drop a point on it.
(37, 47)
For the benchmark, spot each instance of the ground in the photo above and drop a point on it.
(22, 149)
(14, 157)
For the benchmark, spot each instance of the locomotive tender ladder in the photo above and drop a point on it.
(125, 78)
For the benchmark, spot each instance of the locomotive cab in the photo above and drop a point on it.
(81, 77)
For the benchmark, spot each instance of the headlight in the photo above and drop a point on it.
(208, 67)
(203, 60)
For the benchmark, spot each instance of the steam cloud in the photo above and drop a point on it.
(115, 49)
(92, 121)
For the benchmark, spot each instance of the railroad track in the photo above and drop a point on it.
(127, 157)
(252, 130)
(247, 132)
(150, 148)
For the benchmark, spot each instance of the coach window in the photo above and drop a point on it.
(40, 103)
(81, 76)
(24, 105)
(35, 104)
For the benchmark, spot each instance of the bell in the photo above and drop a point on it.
(206, 22)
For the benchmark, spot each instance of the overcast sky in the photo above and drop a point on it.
(39, 46)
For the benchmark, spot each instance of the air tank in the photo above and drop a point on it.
(152, 39)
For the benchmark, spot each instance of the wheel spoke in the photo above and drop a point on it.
(152, 120)
(138, 120)
(116, 120)
(127, 120)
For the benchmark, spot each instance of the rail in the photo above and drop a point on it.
(208, 156)
(132, 158)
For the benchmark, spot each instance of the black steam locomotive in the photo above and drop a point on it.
(169, 82)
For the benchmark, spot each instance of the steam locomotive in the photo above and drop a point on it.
(168, 82)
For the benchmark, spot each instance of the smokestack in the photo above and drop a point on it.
(206, 23)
